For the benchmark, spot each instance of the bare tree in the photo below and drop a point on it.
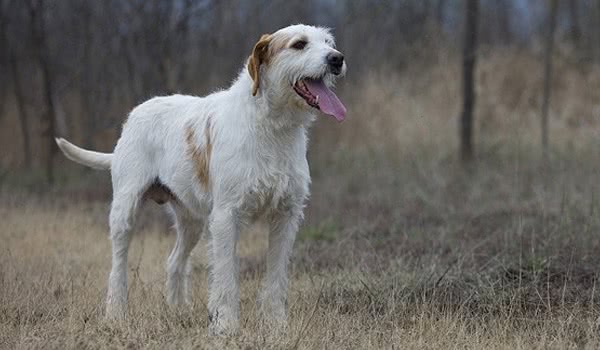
(469, 60)
(503, 9)
(17, 87)
(182, 31)
(128, 35)
(21, 106)
(163, 12)
(440, 12)
(36, 9)
(596, 34)
(3, 50)
(575, 26)
(548, 74)
(85, 10)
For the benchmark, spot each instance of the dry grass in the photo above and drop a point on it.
(424, 257)
(402, 248)
(54, 264)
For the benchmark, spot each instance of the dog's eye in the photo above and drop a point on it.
(299, 45)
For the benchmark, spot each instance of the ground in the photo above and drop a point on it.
(425, 254)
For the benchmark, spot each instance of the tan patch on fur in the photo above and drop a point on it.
(200, 155)
(260, 55)
(278, 42)
(267, 46)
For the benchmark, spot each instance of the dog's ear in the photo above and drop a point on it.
(260, 55)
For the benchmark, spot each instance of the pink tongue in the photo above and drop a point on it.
(329, 103)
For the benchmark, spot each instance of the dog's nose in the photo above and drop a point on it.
(335, 60)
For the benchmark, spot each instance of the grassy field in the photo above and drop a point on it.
(428, 256)
(401, 248)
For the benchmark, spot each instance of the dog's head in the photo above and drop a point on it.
(298, 65)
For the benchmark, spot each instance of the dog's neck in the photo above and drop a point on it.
(274, 108)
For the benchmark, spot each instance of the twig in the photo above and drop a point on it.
(304, 326)
(437, 283)
(368, 288)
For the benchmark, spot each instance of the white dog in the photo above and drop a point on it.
(221, 162)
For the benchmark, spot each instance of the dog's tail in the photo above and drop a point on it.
(96, 160)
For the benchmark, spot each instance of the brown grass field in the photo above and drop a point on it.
(402, 248)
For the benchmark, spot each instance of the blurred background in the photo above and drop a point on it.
(453, 105)
(464, 181)
(75, 68)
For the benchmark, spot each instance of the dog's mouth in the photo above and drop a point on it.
(318, 95)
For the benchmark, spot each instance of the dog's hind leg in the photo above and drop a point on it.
(189, 231)
(122, 218)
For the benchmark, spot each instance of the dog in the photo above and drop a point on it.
(221, 162)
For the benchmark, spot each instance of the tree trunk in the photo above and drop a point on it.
(89, 118)
(22, 112)
(40, 45)
(503, 9)
(3, 50)
(548, 75)
(469, 60)
(50, 117)
(596, 36)
(575, 29)
(182, 30)
(13, 67)
(439, 12)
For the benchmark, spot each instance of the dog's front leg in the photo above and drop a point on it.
(224, 294)
(272, 299)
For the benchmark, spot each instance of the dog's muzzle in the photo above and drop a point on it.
(335, 62)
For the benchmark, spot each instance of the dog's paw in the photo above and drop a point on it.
(115, 312)
(272, 310)
(275, 324)
(178, 298)
(222, 324)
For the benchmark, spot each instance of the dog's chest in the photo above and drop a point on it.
(265, 173)
(275, 186)
(273, 189)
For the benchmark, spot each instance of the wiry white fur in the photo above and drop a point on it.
(258, 169)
